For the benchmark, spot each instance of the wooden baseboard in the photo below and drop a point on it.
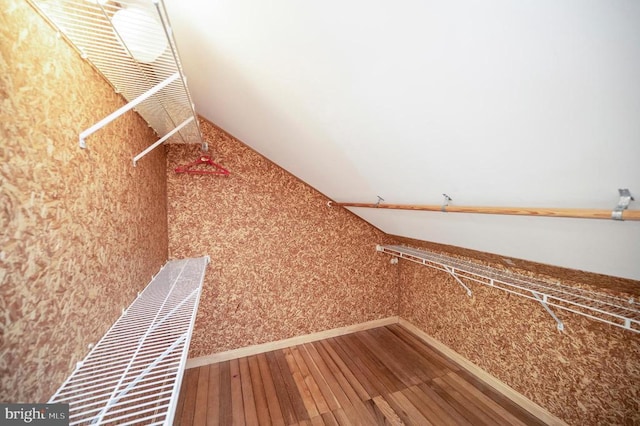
(487, 378)
(293, 341)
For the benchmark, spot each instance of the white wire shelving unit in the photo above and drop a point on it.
(133, 374)
(131, 44)
(612, 310)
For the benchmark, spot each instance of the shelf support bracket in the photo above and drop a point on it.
(543, 302)
(161, 140)
(452, 272)
(623, 204)
(137, 101)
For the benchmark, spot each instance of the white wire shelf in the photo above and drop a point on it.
(597, 306)
(130, 42)
(133, 374)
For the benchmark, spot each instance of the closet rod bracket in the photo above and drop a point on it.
(625, 199)
(445, 203)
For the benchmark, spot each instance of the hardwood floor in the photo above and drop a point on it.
(380, 376)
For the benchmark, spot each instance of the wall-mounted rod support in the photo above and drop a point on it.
(161, 140)
(623, 204)
(517, 211)
(445, 202)
(543, 302)
(108, 119)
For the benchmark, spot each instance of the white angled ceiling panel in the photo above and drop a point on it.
(495, 103)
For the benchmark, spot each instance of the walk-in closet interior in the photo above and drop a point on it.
(321, 213)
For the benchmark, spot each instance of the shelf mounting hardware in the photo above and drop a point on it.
(623, 204)
(160, 141)
(130, 43)
(108, 119)
(452, 272)
(543, 301)
(617, 311)
(445, 203)
(379, 200)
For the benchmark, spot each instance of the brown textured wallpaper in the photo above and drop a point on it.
(81, 231)
(587, 374)
(282, 262)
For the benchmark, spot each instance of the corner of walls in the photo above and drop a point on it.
(81, 231)
(587, 374)
(284, 264)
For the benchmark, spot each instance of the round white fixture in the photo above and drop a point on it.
(141, 33)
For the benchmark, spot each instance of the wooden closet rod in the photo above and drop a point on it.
(517, 211)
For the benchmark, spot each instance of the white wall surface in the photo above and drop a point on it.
(498, 103)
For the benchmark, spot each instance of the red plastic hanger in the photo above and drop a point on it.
(204, 159)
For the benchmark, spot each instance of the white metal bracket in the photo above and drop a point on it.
(108, 119)
(623, 204)
(161, 140)
(543, 302)
(452, 272)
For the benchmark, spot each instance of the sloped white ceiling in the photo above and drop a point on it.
(498, 103)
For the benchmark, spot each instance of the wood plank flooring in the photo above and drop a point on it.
(383, 376)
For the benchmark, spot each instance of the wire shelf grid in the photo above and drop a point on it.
(134, 371)
(612, 310)
(131, 44)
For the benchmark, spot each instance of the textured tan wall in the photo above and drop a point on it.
(81, 231)
(283, 263)
(588, 374)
